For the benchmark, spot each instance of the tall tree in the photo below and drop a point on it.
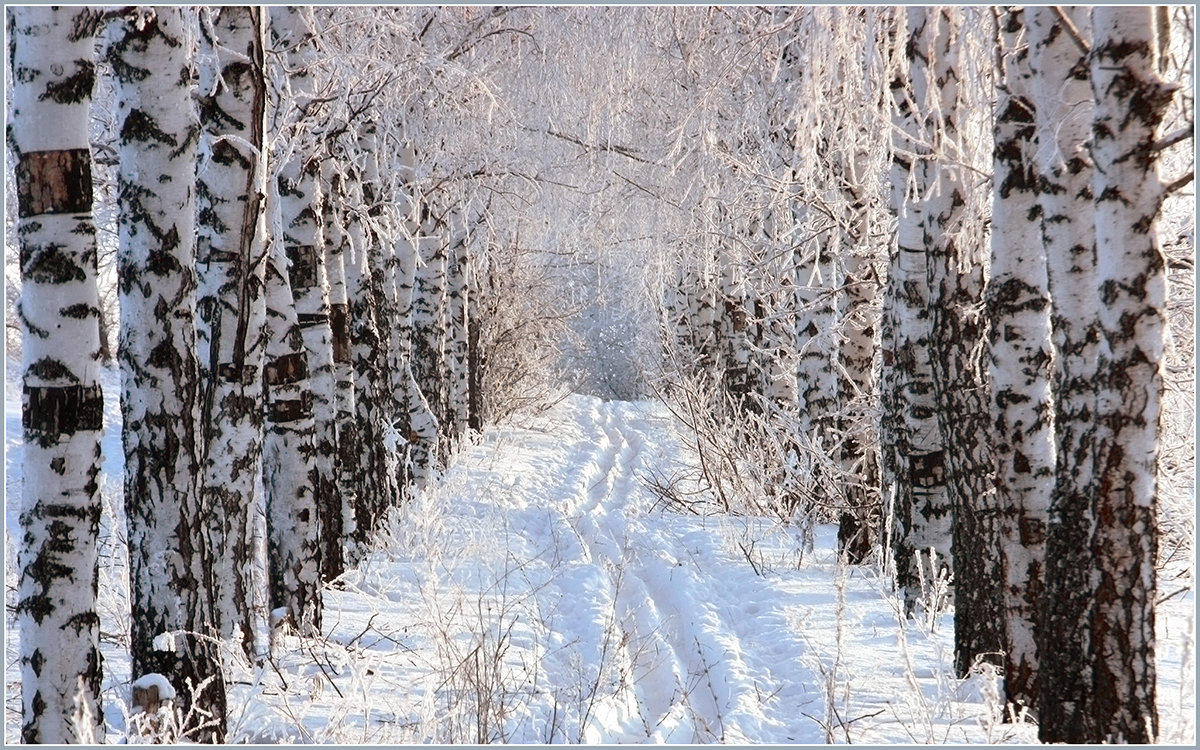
(337, 247)
(429, 324)
(1018, 300)
(290, 475)
(1130, 101)
(956, 251)
(1063, 109)
(301, 206)
(458, 284)
(922, 514)
(374, 481)
(62, 406)
(230, 251)
(150, 52)
(291, 479)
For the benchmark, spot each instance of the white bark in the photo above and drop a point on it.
(302, 205)
(457, 289)
(1063, 108)
(923, 517)
(151, 53)
(337, 247)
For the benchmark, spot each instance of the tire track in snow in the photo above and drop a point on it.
(683, 669)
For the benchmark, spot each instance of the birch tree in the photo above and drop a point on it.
(62, 405)
(954, 241)
(337, 245)
(1063, 111)
(231, 231)
(150, 52)
(1020, 363)
(922, 514)
(301, 204)
(289, 467)
(375, 482)
(1130, 101)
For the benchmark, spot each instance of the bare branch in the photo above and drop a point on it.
(1170, 140)
(1072, 32)
(1178, 184)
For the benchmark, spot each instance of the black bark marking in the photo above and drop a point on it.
(290, 368)
(290, 410)
(311, 320)
(54, 182)
(140, 127)
(339, 320)
(73, 89)
(54, 411)
(80, 311)
(48, 368)
(302, 272)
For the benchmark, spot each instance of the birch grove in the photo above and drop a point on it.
(922, 274)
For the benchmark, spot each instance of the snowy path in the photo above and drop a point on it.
(687, 679)
(647, 625)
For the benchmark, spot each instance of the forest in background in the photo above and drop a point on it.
(912, 271)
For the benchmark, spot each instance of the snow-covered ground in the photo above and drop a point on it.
(540, 591)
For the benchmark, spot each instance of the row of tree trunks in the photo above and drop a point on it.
(235, 347)
(1052, 480)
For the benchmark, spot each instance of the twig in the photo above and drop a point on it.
(324, 672)
(1178, 184)
(1072, 32)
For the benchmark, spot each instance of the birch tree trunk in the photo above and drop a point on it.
(420, 442)
(230, 249)
(1063, 110)
(1018, 300)
(374, 480)
(922, 515)
(1131, 100)
(457, 302)
(733, 333)
(301, 204)
(337, 244)
(62, 405)
(859, 525)
(958, 340)
(289, 461)
(151, 52)
(816, 376)
(429, 329)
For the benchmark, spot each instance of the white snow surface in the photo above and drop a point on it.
(540, 592)
(155, 680)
